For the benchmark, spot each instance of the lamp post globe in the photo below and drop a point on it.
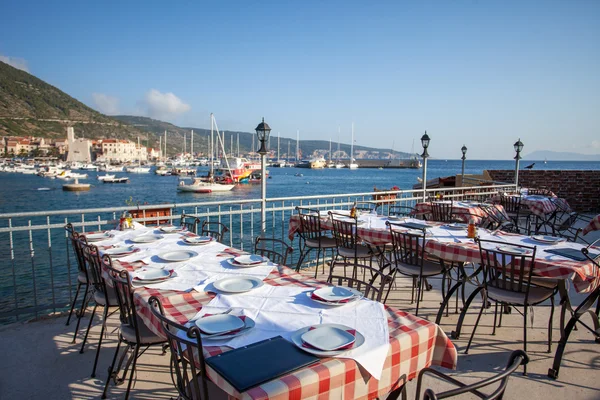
(263, 130)
(518, 148)
(463, 158)
(425, 143)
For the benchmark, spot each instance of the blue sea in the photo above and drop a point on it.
(20, 193)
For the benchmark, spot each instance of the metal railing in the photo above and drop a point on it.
(38, 271)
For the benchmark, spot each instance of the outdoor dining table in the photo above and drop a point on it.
(464, 210)
(414, 343)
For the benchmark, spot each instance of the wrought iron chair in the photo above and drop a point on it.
(103, 294)
(371, 282)
(313, 237)
(498, 220)
(275, 250)
(214, 229)
(348, 245)
(409, 258)
(401, 211)
(517, 358)
(564, 220)
(82, 275)
(190, 223)
(507, 280)
(442, 212)
(187, 359)
(132, 331)
(516, 211)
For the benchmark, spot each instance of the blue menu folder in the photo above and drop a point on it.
(573, 254)
(252, 365)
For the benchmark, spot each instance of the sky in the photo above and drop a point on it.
(478, 73)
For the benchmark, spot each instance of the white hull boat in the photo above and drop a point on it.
(199, 186)
(138, 170)
(104, 177)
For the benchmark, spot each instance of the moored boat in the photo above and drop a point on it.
(199, 185)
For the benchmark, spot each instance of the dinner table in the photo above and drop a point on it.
(397, 344)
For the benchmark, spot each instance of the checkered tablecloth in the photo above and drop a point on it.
(415, 344)
(462, 210)
(546, 264)
(540, 205)
(594, 225)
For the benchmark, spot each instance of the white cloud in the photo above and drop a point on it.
(17, 62)
(106, 104)
(161, 105)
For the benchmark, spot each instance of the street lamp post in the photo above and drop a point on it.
(463, 158)
(518, 148)
(262, 132)
(425, 143)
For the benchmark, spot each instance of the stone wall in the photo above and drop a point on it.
(580, 188)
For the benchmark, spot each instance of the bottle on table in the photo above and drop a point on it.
(353, 210)
(472, 229)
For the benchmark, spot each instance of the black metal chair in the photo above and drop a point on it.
(401, 211)
(82, 275)
(190, 223)
(442, 212)
(214, 229)
(517, 358)
(498, 220)
(371, 282)
(507, 280)
(563, 222)
(103, 295)
(313, 237)
(409, 258)
(188, 367)
(348, 245)
(516, 212)
(132, 331)
(275, 250)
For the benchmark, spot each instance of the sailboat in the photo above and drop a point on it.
(352, 164)
(207, 184)
(338, 164)
(330, 164)
(139, 169)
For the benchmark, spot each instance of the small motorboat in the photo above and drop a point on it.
(107, 176)
(122, 179)
(199, 185)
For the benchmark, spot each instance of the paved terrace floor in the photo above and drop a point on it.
(39, 361)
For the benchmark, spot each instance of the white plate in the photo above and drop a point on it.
(177, 255)
(327, 338)
(297, 340)
(170, 229)
(547, 239)
(197, 240)
(232, 262)
(358, 297)
(335, 293)
(220, 323)
(238, 284)
(151, 274)
(147, 238)
(248, 324)
(456, 226)
(119, 251)
(96, 237)
(249, 259)
(514, 250)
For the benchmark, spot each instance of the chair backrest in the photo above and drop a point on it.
(511, 204)
(76, 239)
(367, 206)
(214, 229)
(310, 223)
(407, 244)
(371, 282)
(516, 359)
(505, 270)
(497, 219)
(186, 355)
(190, 223)
(441, 211)
(344, 231)
(275, 250)
(91, 257)
(540, 192)
(401, 211)
(121, 281)
(595, 261)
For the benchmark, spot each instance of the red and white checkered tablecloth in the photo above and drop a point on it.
(462, 210)
(594, 225)
(540, 205)
(415, 344)
(581, 272)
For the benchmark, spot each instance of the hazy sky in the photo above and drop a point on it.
(480, 73)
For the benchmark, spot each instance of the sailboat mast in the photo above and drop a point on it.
(352, 145)
(297, 144)
(329, 150)
(288, 152)
(184, 142)
(238, 144)
(165, 144)
(278, 137)
(338, 150)
(212, 159)
(192, 143)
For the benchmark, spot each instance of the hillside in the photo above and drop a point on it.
(31, 107)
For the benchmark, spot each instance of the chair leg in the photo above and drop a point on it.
(317, 262)
(419, 291)
(132, 372)
(550, 325)
(525, 336)
(74, 301)
(111, 371)
(477, 321)
(87, 331)
(104, 317)
(495, 318)
(303, 254)
(79, 315)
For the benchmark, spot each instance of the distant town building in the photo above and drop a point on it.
(79, 149)
(119, 150)
(154, 154)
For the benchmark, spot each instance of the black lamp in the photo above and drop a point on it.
(263, 130)
(464, 152)
(518, 148)
(425, 143)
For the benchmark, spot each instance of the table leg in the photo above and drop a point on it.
(584, 308)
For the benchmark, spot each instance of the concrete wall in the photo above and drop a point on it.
(580, 188)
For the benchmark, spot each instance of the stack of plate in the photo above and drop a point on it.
(238, 284)
(170, 229)
(177, 255)
(151, 275)
(517, 251)
(335, 295)
(456, 226)
(248, 261)
(120, 251)
(146, 238)
(96, 237)
(223, 326)
(327, 340)
(547, 239)
(198, 240)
